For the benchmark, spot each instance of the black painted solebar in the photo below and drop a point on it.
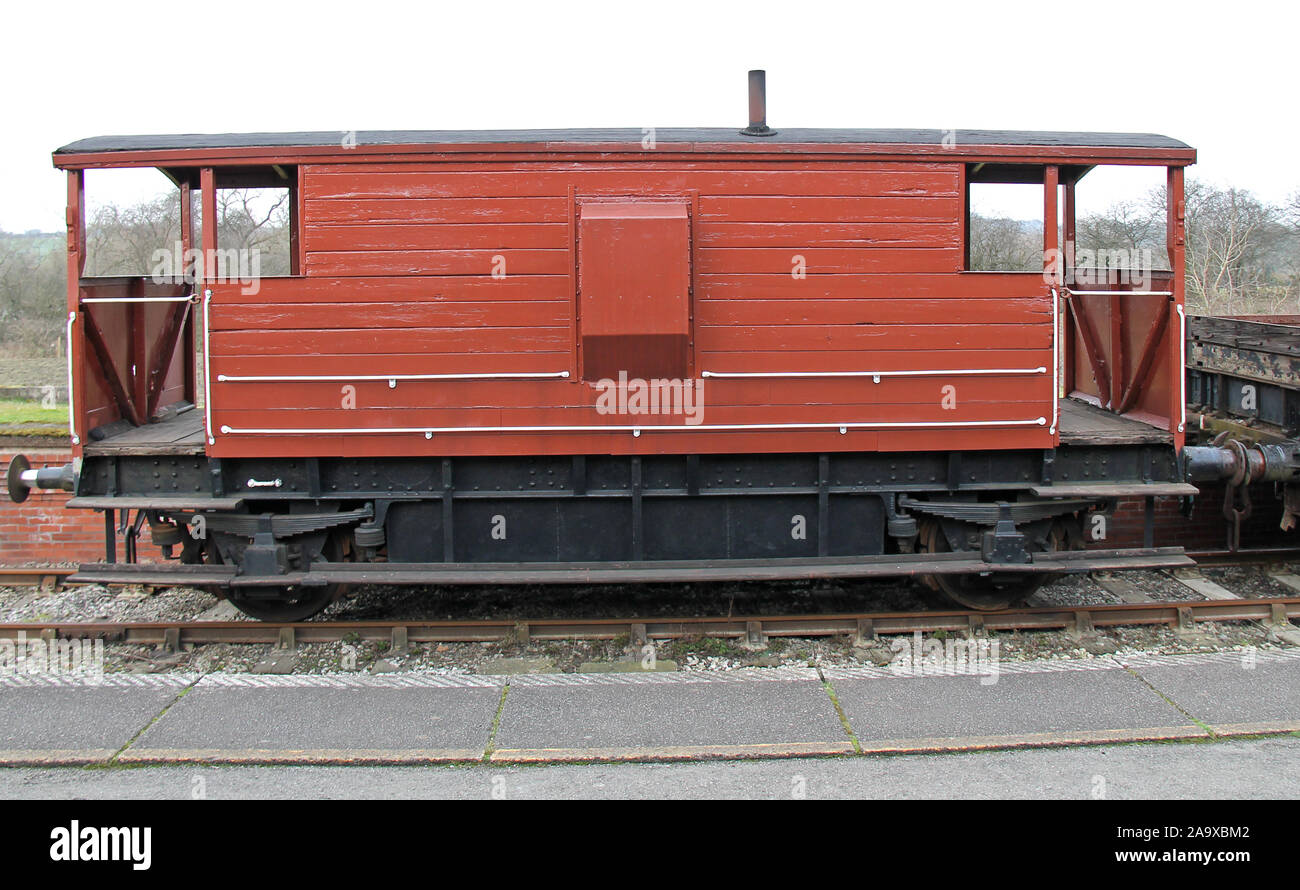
(891, 565)
(196, 478)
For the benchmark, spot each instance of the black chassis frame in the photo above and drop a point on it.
(593, 510)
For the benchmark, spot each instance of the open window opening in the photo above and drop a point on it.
(257, 222)
(133, 222)
(1120, 237)
(1004, 225)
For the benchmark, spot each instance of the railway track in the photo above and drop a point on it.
(34, 577)
(55, 577)
(1275, 612)
(756, 630)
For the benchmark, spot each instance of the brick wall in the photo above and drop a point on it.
(1205, 528)
(41, 529)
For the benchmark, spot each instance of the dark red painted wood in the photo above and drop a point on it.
(474, 260)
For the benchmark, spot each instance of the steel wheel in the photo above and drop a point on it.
(291, 603)
(284, 603)
(984, 593)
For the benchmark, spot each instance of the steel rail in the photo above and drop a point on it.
(34, 576)
(23, 576)
(864, 625)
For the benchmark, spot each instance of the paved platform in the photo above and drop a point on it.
(1230, 769)
(759, 713)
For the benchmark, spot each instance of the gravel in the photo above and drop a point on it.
(1249, 582)
(98, 603)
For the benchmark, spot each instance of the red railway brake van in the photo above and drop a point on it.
(619, 355)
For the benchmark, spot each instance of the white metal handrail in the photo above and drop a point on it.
(391, 378)
(184, 299)
(1124, 293)
(72, 411)
(1056, 360)
(429, 432)
(207, 368)
(1182, 363)
(876, 375)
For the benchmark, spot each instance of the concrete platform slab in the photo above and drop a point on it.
(1235, 694)
(314, 724)
(1021, 709)
(430, 717)
(76, 723)
(669, 721)
(1226, 770)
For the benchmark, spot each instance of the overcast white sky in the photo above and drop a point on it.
(1217, 76)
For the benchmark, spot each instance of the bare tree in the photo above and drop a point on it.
(1231, 242)
(256, 220)
(123, 240)
(32, 292)
(1004, 245)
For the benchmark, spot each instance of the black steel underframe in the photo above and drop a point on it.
(594, 509)
(200, 478)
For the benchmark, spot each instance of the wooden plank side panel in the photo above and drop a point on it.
(804, 235)
(827, 260)
(397, 288)
(390, 315)
(370, 341)
(433, 211)
(882, 285)
(830, 394)
(477, 444)
(802, 360)
(463, 418)
(746, 312)
(399, 263)
(362, 231)
(539, 181)
(537, 361)
(640, 163)
(733, 209)
(543, 361)
(908, 338)
(437, 262)
(441, 236)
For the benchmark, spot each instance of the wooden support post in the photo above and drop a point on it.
(76, 230)
(1052, 259)
(135, 372)
(1118, 355)
(295, 222)
(1066, 358)
(187, 275)
(187, 226)
(1176, 239)
(1068, 214)
(208, 201)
